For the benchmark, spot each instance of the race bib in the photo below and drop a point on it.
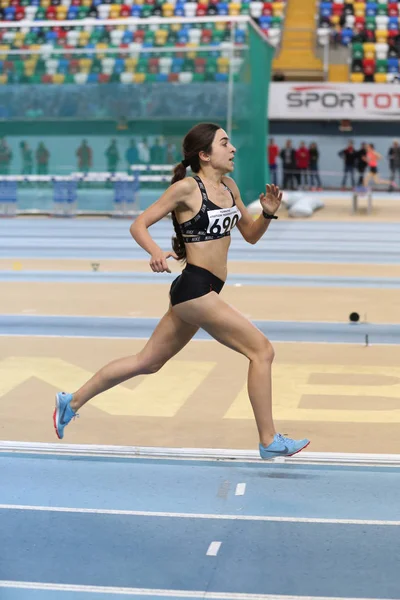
(222, 221)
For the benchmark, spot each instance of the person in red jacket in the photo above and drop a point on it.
(273, 153)
(302, 164)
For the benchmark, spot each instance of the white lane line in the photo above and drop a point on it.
(173, 515)
(213, 548)
(240, 489)
(124, 591)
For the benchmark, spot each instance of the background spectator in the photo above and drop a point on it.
(172, 157)
(288, 157)
(273, 153)
(349, 156)
(361, 163)
(302, 165)
(144, 151)
(132, 155)
(112, 156)
(26, 158)
(394, 160)
(42, 159)
(5, 157)
(85, 157)
(315, 181)
(158, 153)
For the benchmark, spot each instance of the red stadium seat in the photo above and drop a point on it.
(267, 10)
(368, 66)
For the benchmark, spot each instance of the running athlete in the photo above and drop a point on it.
(205, 208)
(372, 158)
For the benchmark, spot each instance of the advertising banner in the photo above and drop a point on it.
(316, 101)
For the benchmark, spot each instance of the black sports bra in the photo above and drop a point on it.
(211, 222)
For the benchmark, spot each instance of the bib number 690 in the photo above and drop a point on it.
(218, 225)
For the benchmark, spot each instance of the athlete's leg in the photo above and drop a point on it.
(231, 328)
(367, 178)
(380, 181)
(168, 338)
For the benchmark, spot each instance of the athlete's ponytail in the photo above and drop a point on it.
(198, 139)
(179, 172)
(178, 245)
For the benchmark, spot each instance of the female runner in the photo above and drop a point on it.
(205, 208)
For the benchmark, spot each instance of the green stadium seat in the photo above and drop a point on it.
(358, 51)
(370, 23)
(381, 66)
(49, 67)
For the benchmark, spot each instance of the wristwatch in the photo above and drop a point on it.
(268, 216)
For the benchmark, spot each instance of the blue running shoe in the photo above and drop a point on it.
(63, 413)
(282, 446)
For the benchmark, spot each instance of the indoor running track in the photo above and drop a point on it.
(79, 527)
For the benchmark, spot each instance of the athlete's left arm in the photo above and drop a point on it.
(253, 230)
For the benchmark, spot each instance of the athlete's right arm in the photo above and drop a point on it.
(177, 195)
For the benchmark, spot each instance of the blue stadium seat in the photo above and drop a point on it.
(63, 65)
(72, 13)
(265, 22)
(51, 35)
(119, 65)
(325, 9)
(183, 37)
(347, 36)
(223, 8)
(9, 13)
(127, 38)
(177, 64)
(393, 65)
(240, 36)
(371, 8)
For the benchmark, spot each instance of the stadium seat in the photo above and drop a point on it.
(371, 30)
(103, 66)
(380, 77)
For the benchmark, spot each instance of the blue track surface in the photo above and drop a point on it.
(284, 537)
(369, 243)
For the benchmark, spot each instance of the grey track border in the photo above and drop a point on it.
(193, 454)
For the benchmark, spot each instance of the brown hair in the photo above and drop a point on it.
(198, 139)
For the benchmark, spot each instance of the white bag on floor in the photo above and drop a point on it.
(290, 198)
(304, 206)
(298, 204)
